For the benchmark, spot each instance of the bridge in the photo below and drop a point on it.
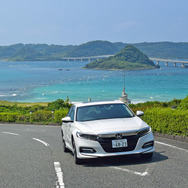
(90, 58)
(175, 62)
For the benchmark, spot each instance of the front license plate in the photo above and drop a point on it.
(119, 143)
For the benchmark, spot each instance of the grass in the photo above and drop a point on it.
(23, 104)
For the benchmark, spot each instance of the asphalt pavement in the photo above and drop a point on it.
(31, 156)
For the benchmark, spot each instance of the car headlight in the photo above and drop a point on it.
(144, 131)
(87, 136)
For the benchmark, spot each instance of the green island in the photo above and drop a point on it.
(129, 58)
(169, 118)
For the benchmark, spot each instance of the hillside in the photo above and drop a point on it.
(34, 52)
(94, 48)
(129, 58)
(166, 50)
(44, 52)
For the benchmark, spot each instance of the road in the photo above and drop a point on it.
(31, 156)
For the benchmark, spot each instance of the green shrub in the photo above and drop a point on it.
(154, 104)
(42, 116)
(58, 104)
(24, 118)
(59, 114)
(34, 108)
(184, 104)
(167, 121)
(9, 117)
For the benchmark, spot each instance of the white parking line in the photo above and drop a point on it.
(15, 134)
(131, 171)
(171, 146)
(45, 143)
(151, 166)
(59, 173)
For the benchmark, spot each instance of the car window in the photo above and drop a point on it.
(71, 113)
(106, 111)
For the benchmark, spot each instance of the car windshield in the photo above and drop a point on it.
(104, 111)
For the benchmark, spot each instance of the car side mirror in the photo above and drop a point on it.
(66, 119)
(139, 113)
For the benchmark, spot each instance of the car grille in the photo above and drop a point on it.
(106, 144)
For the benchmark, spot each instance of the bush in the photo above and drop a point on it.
(184, 104)
(24, 118)
(58, 104)
(37, 116)
(42, 116)
(34, 108)
(59, 114)
(167, 121)
(9, 117)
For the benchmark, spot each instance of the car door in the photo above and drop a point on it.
(70, 124)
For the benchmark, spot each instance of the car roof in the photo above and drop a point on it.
(81, 104)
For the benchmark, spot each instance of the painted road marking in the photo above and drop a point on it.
(15, 134)
(151, 167)
(59, 173)
(33, 130)
(57, 166)
(131, 171)
(45, 143)
(171, 146)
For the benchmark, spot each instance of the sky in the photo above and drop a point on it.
(74, 22)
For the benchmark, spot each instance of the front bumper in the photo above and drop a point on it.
(135, 146)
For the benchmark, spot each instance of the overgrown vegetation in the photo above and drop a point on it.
(166, 117)
(46, 114)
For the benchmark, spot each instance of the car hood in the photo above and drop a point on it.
(111, 125)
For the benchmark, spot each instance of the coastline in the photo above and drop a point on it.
(121, 69)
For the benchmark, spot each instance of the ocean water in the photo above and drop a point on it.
(48, 81)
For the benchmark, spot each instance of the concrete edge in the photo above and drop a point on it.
(172, 137)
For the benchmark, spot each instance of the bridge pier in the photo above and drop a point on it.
(174, 62)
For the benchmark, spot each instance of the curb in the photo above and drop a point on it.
(172, 137)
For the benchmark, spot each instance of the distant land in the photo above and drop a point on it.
(44, 52)
(129, 58)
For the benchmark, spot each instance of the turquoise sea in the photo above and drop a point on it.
(48, 81)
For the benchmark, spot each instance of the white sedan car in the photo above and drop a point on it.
(106, 128)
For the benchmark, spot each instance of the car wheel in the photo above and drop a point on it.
(64, 144)
(147, 155)
(76, 159)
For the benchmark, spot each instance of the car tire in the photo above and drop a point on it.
(147, 155)
(76, 159)
(65, 149)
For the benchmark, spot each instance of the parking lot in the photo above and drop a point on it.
(30, 155)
